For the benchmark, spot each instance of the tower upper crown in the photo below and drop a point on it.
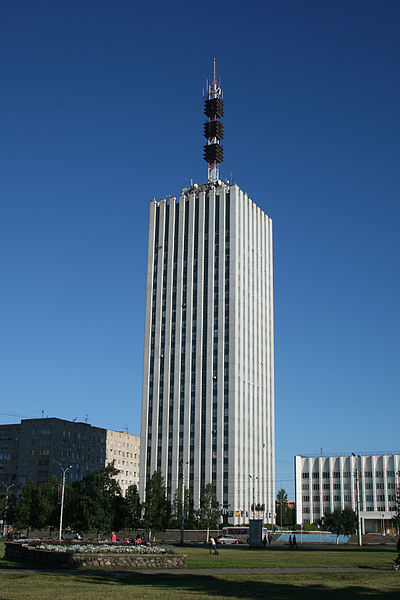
(213, 128)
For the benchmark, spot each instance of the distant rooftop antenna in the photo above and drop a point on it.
(42, 414)
(86, 418)
(74, 419)
(213, 128)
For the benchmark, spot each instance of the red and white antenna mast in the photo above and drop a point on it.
(213, 128)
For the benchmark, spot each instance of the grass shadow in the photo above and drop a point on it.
(246, 586)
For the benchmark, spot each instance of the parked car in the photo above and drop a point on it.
(227, 539)
(71, 535)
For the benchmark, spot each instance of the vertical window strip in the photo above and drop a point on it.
(184, 323)
(163, 249)
(204, 346)
(173, 384)
(215, 344)
(152, 345)
(226, 340)
(194, 338)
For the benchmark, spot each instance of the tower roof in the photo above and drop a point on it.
(213, 128)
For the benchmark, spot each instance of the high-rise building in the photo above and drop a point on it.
(208, 375)
(35, 448)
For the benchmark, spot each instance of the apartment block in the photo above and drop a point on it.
(35, 448)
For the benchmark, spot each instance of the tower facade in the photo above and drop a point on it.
(208, 375)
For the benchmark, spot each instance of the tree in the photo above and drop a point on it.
(90, 504)
(341, 522)
(8, 508)
(281, 496)
(286, 515)
(27, 512)
(396, 516)
(120, 513)
(188, 514)
(156, 507)
(133, 508)
(48, 503)
(209, 509)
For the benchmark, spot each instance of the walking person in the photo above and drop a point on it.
(264, 541)
(213, 546)
(294, 543)
(290, 541)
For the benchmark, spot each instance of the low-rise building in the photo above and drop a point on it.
(327, 483)
(35, 448)
(124, 449)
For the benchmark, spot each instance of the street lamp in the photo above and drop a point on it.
(64, 470)
(356, 472)
(254, 494)
(182, 533)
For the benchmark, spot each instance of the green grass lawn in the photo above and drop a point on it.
(240, 557)
(127, 586)
(247, 585)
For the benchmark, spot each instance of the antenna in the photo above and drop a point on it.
(74, 419)
(213, 128)
(42, 414)
(86, 418)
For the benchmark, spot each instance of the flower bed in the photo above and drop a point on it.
(100, 547)
(81, 554)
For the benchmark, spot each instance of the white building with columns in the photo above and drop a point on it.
(208, 373)
(327, 483)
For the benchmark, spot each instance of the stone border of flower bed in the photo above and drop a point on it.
(22, 552)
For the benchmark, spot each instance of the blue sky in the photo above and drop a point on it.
(101, 110)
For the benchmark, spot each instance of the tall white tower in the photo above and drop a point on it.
(208, 373)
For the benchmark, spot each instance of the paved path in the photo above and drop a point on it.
(211, 571)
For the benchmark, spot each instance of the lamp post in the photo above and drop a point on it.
(182, 532)
(64, 470)
(356, 472)
(254, 495)
(8, 488)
